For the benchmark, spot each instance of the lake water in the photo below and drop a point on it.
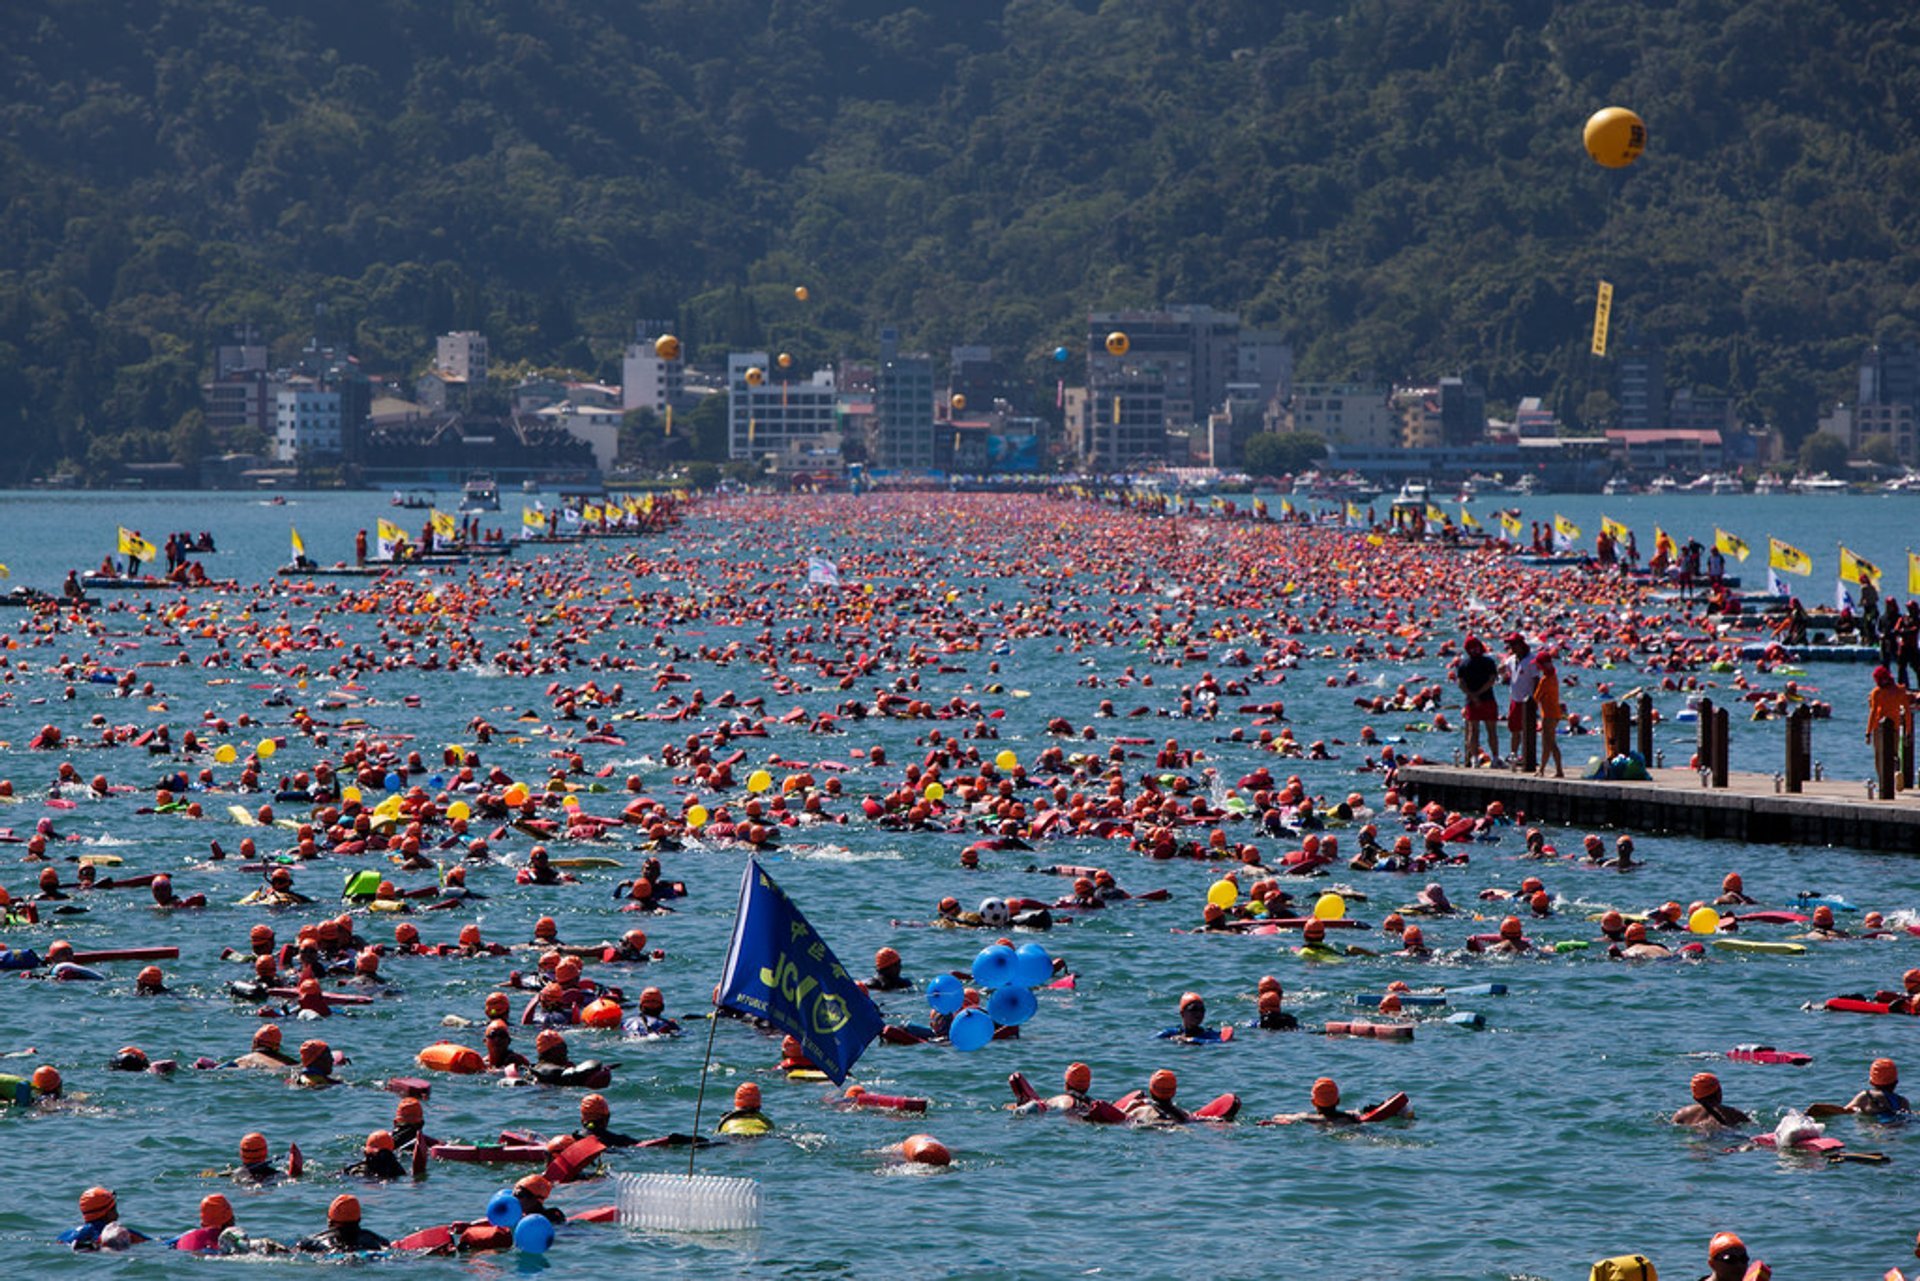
(1540, 1143)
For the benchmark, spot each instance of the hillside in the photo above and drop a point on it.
(1398, 184)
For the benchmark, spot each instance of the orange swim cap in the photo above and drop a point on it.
(46, 1079)
(345, 1209)
(1724, 1241)
(1706, 1086)
(1079, 1078)
(1823, 916)
(924, 1149)
(790, 1048)
(651, 1000)
(1611, 921)
(1731, 882)
(546, 928)
(1884, 1073)
(498, 1006)
(316, 1052)
(1910, 980)
(535, 1185)
(885, 958)
(1325, 1093)
(97, 1205)
(1390, 1003)
(1267, 983)
(497, 1027)
(1637, 932)
(746, 1097)
(406, 932)
(149, 977)
(1540, 903)
(1510, 928)
(1269, 1002)
(1316, 930)
(568, 971)
(1191, 998)
(470, 936)
(595, 1108)
(1394, 923)
(261, 935)
(216, 1212)
(1532, 885)
(548, 1039)
(409, 1111)
(253, 1148)
(1162, 1084)
(380, 1141)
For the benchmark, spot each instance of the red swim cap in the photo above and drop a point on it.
(1079, 1078)
(345, 1209)
(1706, 1086)
(96, 1205)
(216, 1212)
(1325, 1093)
(746, 1098)
(1510, 928)
(1884, 1073)
(409, 1111)
(595, 1108)
(380, 1141)
(1162, 1084)
(253, 1148)
(535, 1185)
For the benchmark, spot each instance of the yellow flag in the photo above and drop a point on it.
(1564, 527)
(1286, 508)
(1787, 558)
(443, 524)
(1858, 569)
(5, 572)
(1728, 544)
(131, 544)
(390, 532)
(299, 548)
(1614, 529)
(1466, 519)
(1602, 309)
(1913, 574)
(531, 519)
(1374, 540)
(1435, 516)
(1511, 523)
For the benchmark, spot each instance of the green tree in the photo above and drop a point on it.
(1880, 450)
(1274, 454)
(1822, 452)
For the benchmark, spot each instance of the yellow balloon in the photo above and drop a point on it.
(667, 347)
(697, 816)
(1006, 760)
(224, 754)
(570, 802)
(1615, 137)
(1223, 894)
(759, 781)
(1118, 343)
(1330, 907)
(266, 748)
(959, 401)
(350, 795)
(784, 360)
(756, 376)
(800, 292)
(936, 791)
(1704, 921)
(460, 810)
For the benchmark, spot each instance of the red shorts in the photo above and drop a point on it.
(1516, 717)
(1487, 709)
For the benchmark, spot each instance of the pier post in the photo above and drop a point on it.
(1799, 747)
(1529, 736)
(1720, 765)
(1646, 729)
(1886, 760)
(1703, 741)
(1906, 757)
(1613, 733)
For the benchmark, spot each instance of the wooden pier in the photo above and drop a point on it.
(1748, 808)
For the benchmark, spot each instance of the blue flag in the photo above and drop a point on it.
(779, 970)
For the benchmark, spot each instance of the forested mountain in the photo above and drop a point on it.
(1397, 184)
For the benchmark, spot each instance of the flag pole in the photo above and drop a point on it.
(713, 1024)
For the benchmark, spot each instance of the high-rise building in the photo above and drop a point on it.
(778, 414)
(649, 382)
(1126, 420)
(1890, 374)
(903, 410)
(1463, 412)
(1640, 389)
(1353, 415)
(463, 357)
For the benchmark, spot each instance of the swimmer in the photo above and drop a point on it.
(100, 1227)
(1271, 1017)
(886, 973)
(1636, 946)
(1879, 1099)
(1193, 1029)
(256, 1161)
(409, 1124)
(1727, 1261)
(378, 1159)
(1076, 1096)
(1413, 943)
(1158, 1107)
(316, 1066)
(23, 1092)
(218, 1233)
(532, 1193)
(745, 1119)
(500, 1054)
(1707, 1110)
(596, 1114)
(1325, 1098)
(1613, 927)
(344, 1233)
(1824, 930)
(651, 1020)
(1513, 940)
(1733, 893)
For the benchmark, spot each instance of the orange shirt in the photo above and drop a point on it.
(1889, 703)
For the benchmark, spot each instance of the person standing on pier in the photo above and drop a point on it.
(1890, 702)
(1524, 674)
(1476, 676)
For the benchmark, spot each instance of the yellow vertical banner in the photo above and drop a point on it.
(1602, 309)
(1116, 411)
(669, 430)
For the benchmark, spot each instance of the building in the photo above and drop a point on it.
(1126, 420)
(648, 382)
(1691, 411)
(1889, 399)
(1640, 389)
(1666, 451)
(1533, 420)
(462, 357)
(903, 395)
(1265, 360)
(1463, 412)
(308, 421)
(1357, 415)
(1898, 421)
(243, 396)
(972, 374)
(595, 426)
(780, 412)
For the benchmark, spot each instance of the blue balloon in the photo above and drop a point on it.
(436, 782)
(946, 994)
(504, 1210)
(1011, 1005)
(1032, 965)
(994, 966)
(971, 1029)
(1060, 354)
(392, 781)
(533, 1234)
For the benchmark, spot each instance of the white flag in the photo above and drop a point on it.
(822, 572)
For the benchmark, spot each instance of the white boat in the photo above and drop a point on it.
(1818, 484)
(1663, 485)
(1769, 483)
(1725, 484)
(1618, 485)
(479, 494)
(1907, 484)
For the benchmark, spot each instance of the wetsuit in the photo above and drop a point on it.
(342, 1238)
